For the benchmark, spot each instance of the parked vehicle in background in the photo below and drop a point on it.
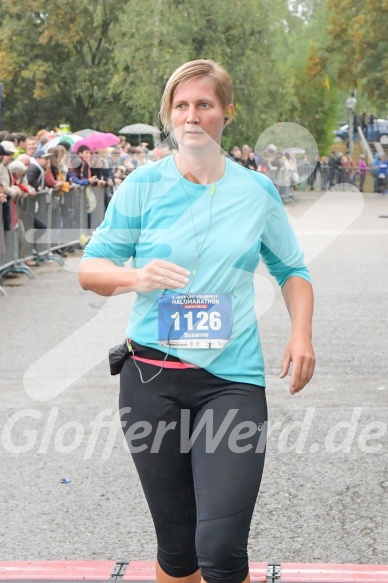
(376, 133)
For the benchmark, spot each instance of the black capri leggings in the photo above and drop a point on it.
(201, 493)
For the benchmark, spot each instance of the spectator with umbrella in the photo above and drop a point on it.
(142, 129)
(97, 141)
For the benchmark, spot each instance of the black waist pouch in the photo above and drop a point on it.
(117, 356)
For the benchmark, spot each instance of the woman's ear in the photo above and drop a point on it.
(229, 114)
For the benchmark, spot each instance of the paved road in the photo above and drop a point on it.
(324, 491)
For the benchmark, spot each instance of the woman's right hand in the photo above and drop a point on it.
(159, 274)
(106, 278)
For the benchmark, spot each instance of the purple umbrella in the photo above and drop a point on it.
(97, 141)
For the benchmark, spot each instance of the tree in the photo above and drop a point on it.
(315, 90)
(104, 64)
(238, 34)
(55, 60)
(358, 46)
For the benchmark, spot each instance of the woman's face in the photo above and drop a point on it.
(197, 115)
(85, 155)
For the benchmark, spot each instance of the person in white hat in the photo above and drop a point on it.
(9, 146)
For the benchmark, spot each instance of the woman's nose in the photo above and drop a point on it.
(192, 115)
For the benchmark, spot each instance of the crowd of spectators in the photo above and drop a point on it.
(27, 167)
(59, 169)
(300, 172)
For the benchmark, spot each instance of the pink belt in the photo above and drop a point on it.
(165, 363)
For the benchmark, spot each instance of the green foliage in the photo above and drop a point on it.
(104, 64)
(238, 35)
(357, 47)
(318, 106)
(60, 65)
(317, 96)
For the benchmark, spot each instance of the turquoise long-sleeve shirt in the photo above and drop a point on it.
(220, 231)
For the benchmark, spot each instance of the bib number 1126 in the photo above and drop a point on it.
(204, 321)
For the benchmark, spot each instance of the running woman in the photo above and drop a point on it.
(192, 388)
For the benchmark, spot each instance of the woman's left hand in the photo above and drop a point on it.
(300, 352)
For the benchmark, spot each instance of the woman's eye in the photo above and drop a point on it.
(180, 106)
(204, 105)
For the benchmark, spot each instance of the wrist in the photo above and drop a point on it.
(302, 333)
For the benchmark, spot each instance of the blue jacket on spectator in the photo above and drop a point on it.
(74, 178)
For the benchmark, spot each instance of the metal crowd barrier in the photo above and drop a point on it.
(62, 220)
(322, 179)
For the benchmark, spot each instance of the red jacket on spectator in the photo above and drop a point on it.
(49, 179)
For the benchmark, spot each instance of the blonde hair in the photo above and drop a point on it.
(217, 75)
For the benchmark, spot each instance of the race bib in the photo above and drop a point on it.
(194, 320)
